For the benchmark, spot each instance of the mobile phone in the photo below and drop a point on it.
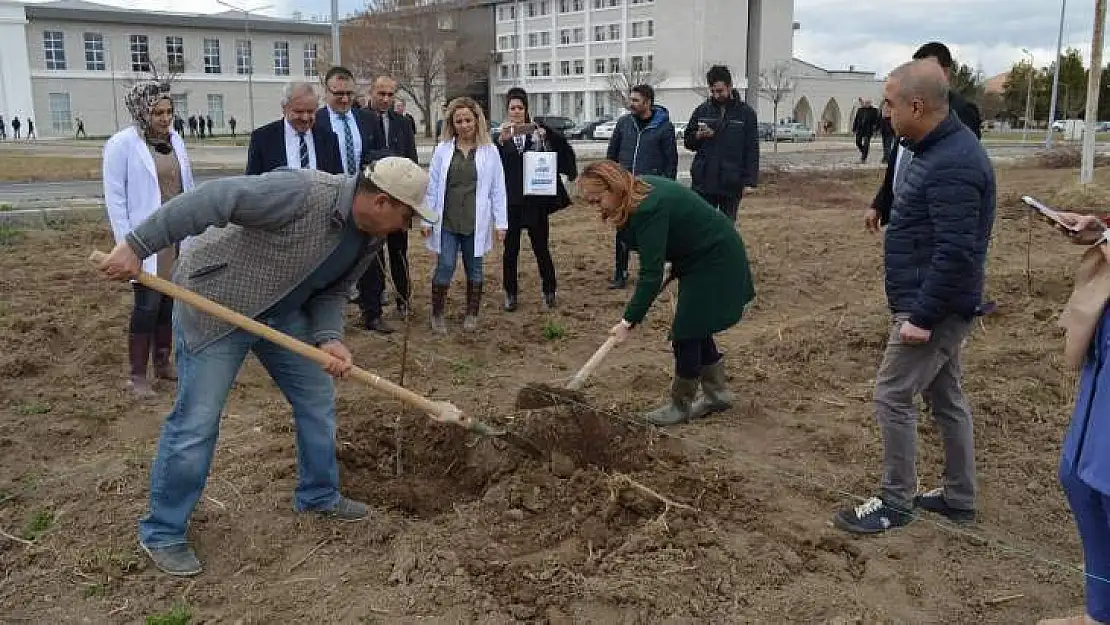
(524, 129)
(1050, 213)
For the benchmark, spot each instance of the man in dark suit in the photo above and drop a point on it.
(898, 159)
(356, 136)
(396, 135)
(294, 141)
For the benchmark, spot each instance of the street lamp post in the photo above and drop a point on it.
(115, 94)
(1029, 98)
(250, 46)
(1056, 75)
(335, 51)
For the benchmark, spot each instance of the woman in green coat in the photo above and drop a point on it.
(666, 222)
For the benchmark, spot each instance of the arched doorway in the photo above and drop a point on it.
(803, 112)
(831, 120)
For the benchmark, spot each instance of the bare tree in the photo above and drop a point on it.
(776, 84)
(419, 45)
(635, 71)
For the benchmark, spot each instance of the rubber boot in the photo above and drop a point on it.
(549, 300)
(716, 395)
(163, 348)
(473, 305)
(138, 348)
(677, 410)
(510, 302)
(439, 302)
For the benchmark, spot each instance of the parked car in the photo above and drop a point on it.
(794, 131)
(585, 130)
(766, 131)
(605, 131)
(556, 122)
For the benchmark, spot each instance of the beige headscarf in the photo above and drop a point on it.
(1083, 311)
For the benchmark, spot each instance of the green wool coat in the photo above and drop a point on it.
(707, 258)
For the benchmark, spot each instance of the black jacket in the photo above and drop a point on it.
(729, 160)
(513, 162)
(373, 144)
(267, 149)
(935, 247)
(966, 111)
(866, 121)
(401, 140)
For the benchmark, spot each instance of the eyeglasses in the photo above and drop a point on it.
(341, 94)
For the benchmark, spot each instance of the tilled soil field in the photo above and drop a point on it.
(726, 520)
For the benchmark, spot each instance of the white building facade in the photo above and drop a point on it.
(565, 52)
(67, 59)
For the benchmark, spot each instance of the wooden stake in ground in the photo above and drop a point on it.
(1029, 257)
(1087, 167)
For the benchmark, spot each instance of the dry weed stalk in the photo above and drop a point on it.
(620, 481)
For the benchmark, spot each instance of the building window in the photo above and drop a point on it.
(564, 102)
(94, 52)
(244, 64)
(506, 13)
(533, 40)
(641, 30)
(504, 72)
(641, 63)
(310, 60)
(564, 68)
(534, 70)
(175, 54)
(281, 58)
(614, 65)
(641, 1)
(545, 103)
(216, 109)
(571, 6)
(545, 69)
(599, 33)
(180, 104)
(564, 36)
(538, 8)
(579, 67)
(599, 66)
(211, 56)
(614, 32)
(140, 53)
(606, 4)
(579, 35)
(600, 99)
(54, 47)
(61, 117)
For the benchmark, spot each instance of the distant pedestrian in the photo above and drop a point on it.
(16, 125)
(864, 126)
(80, 129)
(231, 124)
(210, 132)
(3, 129)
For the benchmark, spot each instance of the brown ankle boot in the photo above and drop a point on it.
(473, 305)
(138, 351)
(163, 348)
(439, 302)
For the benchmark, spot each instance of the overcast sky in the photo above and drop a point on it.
(870, 35)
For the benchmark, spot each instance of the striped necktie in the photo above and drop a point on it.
(349, 146)
(304, 151)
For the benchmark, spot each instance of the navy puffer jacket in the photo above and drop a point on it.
(940, 227)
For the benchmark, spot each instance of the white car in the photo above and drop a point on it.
(794, 131)
(605, 131)
(679, 130)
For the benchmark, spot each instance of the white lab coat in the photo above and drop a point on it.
(131, 192)
(490, 202)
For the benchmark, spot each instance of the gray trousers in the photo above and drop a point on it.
(932, 370)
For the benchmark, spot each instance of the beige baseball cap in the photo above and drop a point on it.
(404, 181)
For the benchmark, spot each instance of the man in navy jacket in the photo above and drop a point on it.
(643, 142)
(724, 133)
(294, 141)
(358, 139)
(935, 256)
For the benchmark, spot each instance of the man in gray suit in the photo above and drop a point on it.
(285, 248)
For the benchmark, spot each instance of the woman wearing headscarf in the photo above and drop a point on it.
(530, 212)
(664, 221)
(145, 165)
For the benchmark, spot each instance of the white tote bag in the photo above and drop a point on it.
(541, 173)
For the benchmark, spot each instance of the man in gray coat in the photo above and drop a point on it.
(282, 248)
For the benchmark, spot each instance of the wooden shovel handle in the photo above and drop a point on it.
(439, 411)
(592, 363)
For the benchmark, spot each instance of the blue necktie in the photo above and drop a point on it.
(304, 151)
(349, 146)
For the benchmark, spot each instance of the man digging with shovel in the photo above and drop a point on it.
(283, 248)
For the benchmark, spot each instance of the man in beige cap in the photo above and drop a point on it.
(282, 248)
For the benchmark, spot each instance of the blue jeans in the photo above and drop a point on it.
(1091, 510)
(451, 244)
(189, 433)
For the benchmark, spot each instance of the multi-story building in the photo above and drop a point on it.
(69, 58)
(575, 56)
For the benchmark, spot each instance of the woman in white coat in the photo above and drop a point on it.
(466, 191)
(145, 165)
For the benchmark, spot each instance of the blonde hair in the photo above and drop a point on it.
(609, 176)
(481, 136)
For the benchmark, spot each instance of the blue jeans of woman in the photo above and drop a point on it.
(451, 245)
